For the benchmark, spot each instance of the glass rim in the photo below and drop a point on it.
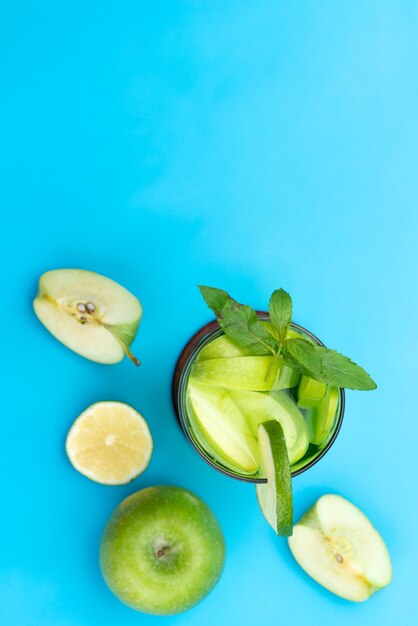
(203, 336)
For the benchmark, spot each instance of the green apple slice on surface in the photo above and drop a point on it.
(256, 373)
(337, 545)
(275, 496)
(321, 419)
(89, 313)
(310, 392)
(223, 425)
(260, 407)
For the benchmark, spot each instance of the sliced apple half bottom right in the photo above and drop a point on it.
(337, 545)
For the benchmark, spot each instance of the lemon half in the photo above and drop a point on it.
(110, 443)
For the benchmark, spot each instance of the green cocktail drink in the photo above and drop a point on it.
(223, 394)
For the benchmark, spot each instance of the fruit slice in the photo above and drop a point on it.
(223, 426)
(336, 544)
(110, 443)
(89, 313)
(221, 347)
(275, 496)
(310, 392)
(257, 373)
(260, 407)
(321, 419)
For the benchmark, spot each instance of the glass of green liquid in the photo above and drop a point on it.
(221, 395)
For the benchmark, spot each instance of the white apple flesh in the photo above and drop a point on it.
(89, 313)
(223, 426)
(162, 550)
(337, 545)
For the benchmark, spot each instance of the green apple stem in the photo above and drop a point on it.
(163, 551)
(125, 347)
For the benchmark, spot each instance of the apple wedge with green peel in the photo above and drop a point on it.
(321, 419)
(255, 373)
(220, 348)
(223, 426)
(89, 313)
(260, 407)
(310, 392)
(275, 496)
(337, 545)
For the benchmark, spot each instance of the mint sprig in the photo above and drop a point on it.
(242, 324)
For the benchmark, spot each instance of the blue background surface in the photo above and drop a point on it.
(248, 144)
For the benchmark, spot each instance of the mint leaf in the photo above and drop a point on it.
(305, 354)
(290, 361)
(339, 370)
(280, 309)
(214, 298)
(240, 322)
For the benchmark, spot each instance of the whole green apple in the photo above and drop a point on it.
(162, 550)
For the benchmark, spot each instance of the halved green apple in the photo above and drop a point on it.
(89, 313)
(337, 545)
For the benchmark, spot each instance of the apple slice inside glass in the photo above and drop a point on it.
(260, 407)
(223, 426)
(256, 373)
(321, 419)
